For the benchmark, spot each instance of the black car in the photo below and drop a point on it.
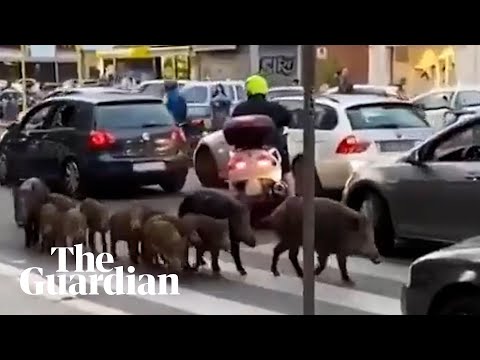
(445, 282)
(79, 141)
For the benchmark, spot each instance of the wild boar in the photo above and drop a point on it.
(126, 225)
(339, 230)
(62, 202)
(222, 205)
(28, 199)
(213, 235)
(98, 220)
(73, 228)
(161, 237)
(49, 225)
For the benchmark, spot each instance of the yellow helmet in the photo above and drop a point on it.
(256, 85)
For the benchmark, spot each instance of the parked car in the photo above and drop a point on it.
(350, 130)
(76, 141)
(430, 193)
(32, 85)
(445, 282)
(157, 87)
(285, 91)
(437, 102)
(198, 95)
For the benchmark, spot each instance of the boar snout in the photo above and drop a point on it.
(135, 224)
(251, 241)
(376, 260)
(194, 238)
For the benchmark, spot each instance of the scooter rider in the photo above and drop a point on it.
(257, 104)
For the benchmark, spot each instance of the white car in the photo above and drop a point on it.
(437, 102)
(368, 89)
(284, 91)
(33, 86)
(157, 87)
(350, 131)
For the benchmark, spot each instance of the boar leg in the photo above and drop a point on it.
(235, 250)
(215, 266)
(198, 258)
(28, 233)
(322, 263)
(186, 255)
(91, 240)
(104, 242)
(277, 251)
(342, 265)
(293, 256)
(113, 246)
(133, 250)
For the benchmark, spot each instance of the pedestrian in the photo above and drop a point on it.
(220, 107)
(401, 92)
(344, 85)
(176, 103)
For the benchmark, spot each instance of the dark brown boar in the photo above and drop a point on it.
(161, 238)
(222, 205)
(98, 220)
(73, 229)
(62, 202)
(28, 200)
(49, 225)
(213, 236)
(126, 225)
(339, 230)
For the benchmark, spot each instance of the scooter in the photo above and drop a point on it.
(254, 169)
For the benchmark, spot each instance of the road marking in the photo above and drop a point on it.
(385, 270)
(351, 298)
(79, 304)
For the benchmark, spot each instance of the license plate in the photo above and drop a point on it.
(150, 166)
(396, 146)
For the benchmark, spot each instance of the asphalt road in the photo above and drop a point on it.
(376, 289)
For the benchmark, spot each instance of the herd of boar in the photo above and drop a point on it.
(207, 220)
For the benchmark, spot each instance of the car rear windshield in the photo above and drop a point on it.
(385, 116)
(284, 93)
(132, 115)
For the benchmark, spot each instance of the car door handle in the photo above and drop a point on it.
(473, 177)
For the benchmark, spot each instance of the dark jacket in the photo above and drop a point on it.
(177, 105)
(258, 105)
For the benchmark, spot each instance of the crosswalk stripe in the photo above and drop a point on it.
(385, 270)
(332, 294)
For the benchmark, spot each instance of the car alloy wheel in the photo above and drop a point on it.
(72, 178)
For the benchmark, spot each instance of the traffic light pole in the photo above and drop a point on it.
(308, 81)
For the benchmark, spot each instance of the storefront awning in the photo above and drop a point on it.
(428, 59)
(144, 52)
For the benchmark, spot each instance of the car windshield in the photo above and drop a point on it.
(132, 115)
(198, 112)
(195, 94)
(385, 116)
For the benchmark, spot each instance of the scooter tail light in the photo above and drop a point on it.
(265, 161)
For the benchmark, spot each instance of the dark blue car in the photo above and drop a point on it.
(77, 142)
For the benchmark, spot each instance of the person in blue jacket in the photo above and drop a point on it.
(176, 103)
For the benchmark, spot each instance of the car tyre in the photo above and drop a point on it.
(4, 177)
(374, 207)
(174, 182)
(461, 305)
(207, 170)
(297, 170)
(71, 180)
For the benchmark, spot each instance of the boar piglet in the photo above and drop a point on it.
(98, 220)
(62, 202)
(126, 225)
(73, 228)
(339, 230)
(223, 205)
(213, 235)
(28, 199)
(161, 238)
(49, 225)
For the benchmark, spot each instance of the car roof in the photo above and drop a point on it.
(449, 89)
(286, 88)
(103, 98)
(211, 82)
(347, 100)
(159, 81)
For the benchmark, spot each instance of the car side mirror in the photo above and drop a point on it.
(449, 118)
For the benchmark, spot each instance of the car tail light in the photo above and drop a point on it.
(198, 122)
(265, 161)
(351, 145)
(237, 164)
(100, 140)
(178, 136)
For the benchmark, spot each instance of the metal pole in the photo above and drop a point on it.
(308, 81)
(23, 49)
